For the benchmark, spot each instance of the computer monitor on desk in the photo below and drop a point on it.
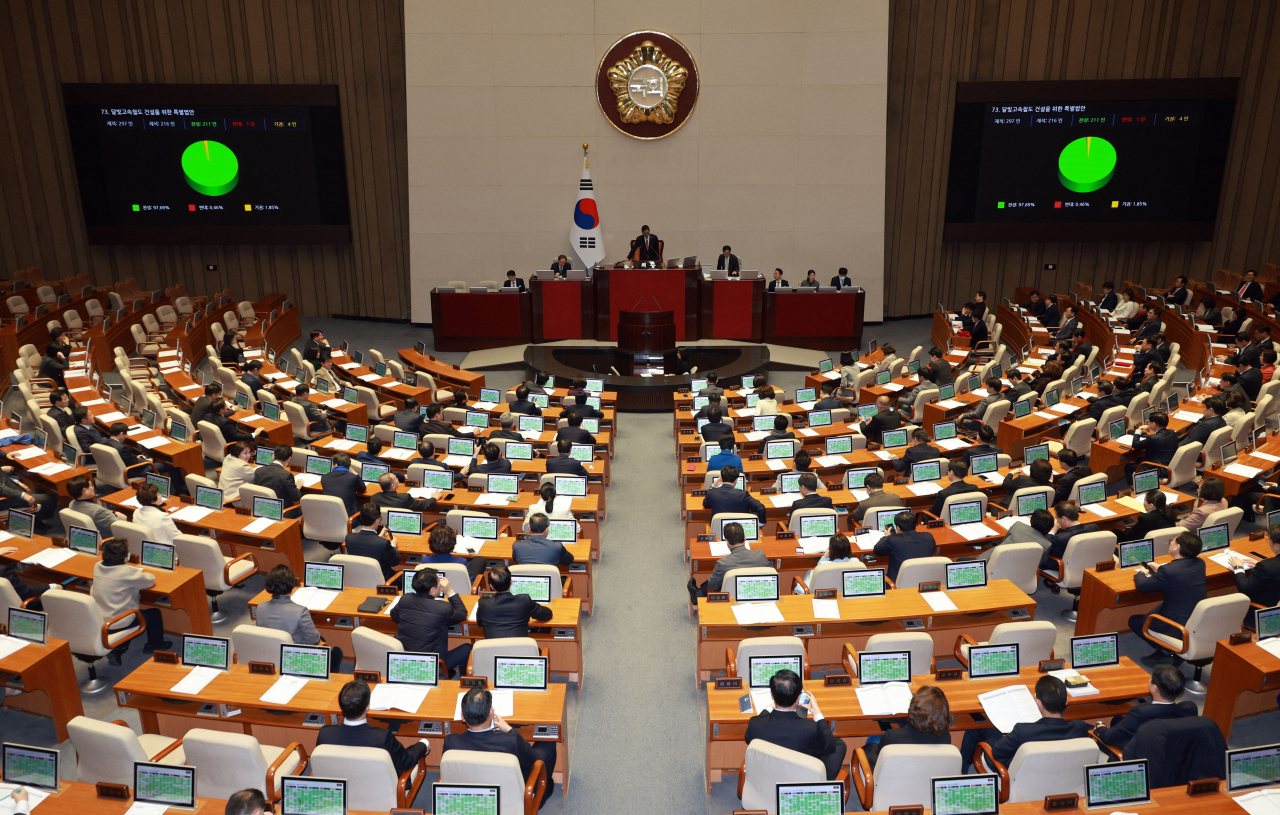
(413, 668)
(169, 785)
(1117, 784)
(965, 795)
(761, 669)
(463, 799)
(1253, 767)
(314, 796)
(811, 798)
(875, 667)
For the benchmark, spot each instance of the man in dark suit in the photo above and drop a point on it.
(521, 404)
(537, 548)
(118, 432)
(219, 417)
(1146, 354)
(713, 401)
(560, 267)
(1051, 699)
(780, 431)
(1261, 583)
(435, 425)
(778, 282)
(1167, 683)
(513, 282)
(252, 377)
(712, 386)
(53, 367)
(887, 418)
(340, 482)
(972, 420)
(920, 450)
(1215, 409)
(1264, 341)
(809, 498)
(728, 498)
(200, 408)
(573, 431)
(409, 419)
(504, 614)
(904, 543)
(728, 261)
(1068, 324)
(941, 369)
(1051, 317)
(60, 409)
(316, 348)
(85, 432)
(431, 606)
(1154, 442)
(355, 731)
(390, 498)
(1250, 378)
(1183, 583)
(1075, 471)
(739, 557)
(979, 305)
(1066, 527)
(828, 400)
(277, 478)
(647, 245)
(1179, 295)
(506, 428)
(715, 426)
(1150, 325)
(487, 732)
(562, 463)
(1243, 346)
(784, 727)
(1249, 288)
(841, 280)
(581, 407)
(493, 461)
(1107, 398)
(876, 498)
(1039, 474)
(1037, 305)
(956, 485)
(373, 540)
(317, 419)
(1109, 299)
(985, 446)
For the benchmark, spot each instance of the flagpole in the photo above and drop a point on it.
(585, 162)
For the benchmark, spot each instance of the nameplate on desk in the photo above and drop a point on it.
(768, 491)
(1240, 638)
(165, 657)
(824, 594)
(837, 680)
(907, 809)
(729, 683)
(706, 538)
(473, 682)
(1204, 786)
(1257, 534)
(475, 488)
(407, 812)
(1057, 803)
(693, 459)
(756, 457)
(786, 536)
(943, 674)
(388, 590)
(938, 524)
(686, 432)
(369, 677)
(263, 668)
(1047, 665)
(699, 493)
(717, 597)
(1104, 565)
(116, 792)
(1124, 493)
(931, 585)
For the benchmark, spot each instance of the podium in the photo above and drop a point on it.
(646, 332)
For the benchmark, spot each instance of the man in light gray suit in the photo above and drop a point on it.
(739, 557)
(876, 497)
(1041, 525)
(282, 614)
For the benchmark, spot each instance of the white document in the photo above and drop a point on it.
(884, 455)
(892, 386)
(826, 609)
(925, 488)
(50, 558)
(490, 499)
(867, 540)
(468, 431)
(1245, 471)
(1126, 440)
(531, 435)
(315, 599)
(860, 495)
(952, 444)
(785, 499)
(398, 697)
(284, 689)
(832, 461)
(504, 704)
(812, 546)
(719, 548)
(195, 681)
(23, 455)
(1265, 456)
(756, 435)
(1044, 414)
(1271, 646)
(949, 404)
(348, 365)
(761, 700)
(369, 378)
(93, 402)
(807, 431)
(831, 375)
(805, 405)
(401, 454)
(277, 375)
(1063, 408)
(289, 384)
(744, 412)
(888, 699)
(757, 613)
(1261, 802)
(35, 797)
(11, 645)
(1131, 502)
(981, 393)
(108, 418)
(939, 601)
(776, 464)
(1188, 416)
(335, 404)
(475, 609)
(259, 525)
(186, 388)
(1008, 523)
(153, 442)
(192, 514)
(131, 503)
(973, 532)
(467, 545)
(1083, 690)
(395, 601)
(50, 468)
(1222, 558)
(485, 406)
(993, 478)
(342, 444)
(1009, 706)
(424, 492)
(454, 461)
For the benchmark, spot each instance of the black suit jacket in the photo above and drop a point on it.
(526, 407)
(915, 453)
(1203, 429)
(1109, 302)
(732, 499)
(1064, 332)
(87, 436)
(403, 500)
(557, 269)
(366, 735)
(1178, 296)
(811, 501)
(1159, 447)
(372, 545)
(576, 435)
(51, 368)
(409, 421)
(1261, 583)
(774, 436)
(315, 352)
(507, 615)
(128, 455)
(1139, 715)
(438, 426)
(280, 481)
(1068, 480)
(1058, 540)
(62, 417)
(1249, 291)
(1051, 316)
(979, 450)
(565, 464)
(841, 282)
(648, 247)
(1146, 523)
(786, 729)
(773, 284)
(1183, 583)
(1047, 729)
(1251, 381)
(903, 546)
(343, 484)
(957, 488)
(230, 430)
(424, 621)
(200, 411)
(734, 266)
(874, 427)
(254, 383)
(517, 284)
(714, 430)
(502, 465)
(1101, 404)
(495, 741)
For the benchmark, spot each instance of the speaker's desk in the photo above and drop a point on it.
(562, 634)
(539, 716)
(977, 612)
(47, 679)
(1245, 681)
(727, 728)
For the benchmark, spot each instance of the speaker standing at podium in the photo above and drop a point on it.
(729, 261)
(647, 245)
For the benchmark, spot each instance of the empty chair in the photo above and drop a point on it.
(254, 644)
(372, 648)
(767, 765)
(1078, 438)
(324, 519)
(192, 480)
(1034, 638)
(131, 533)
(902, 774)
(1017, 563)
(377, 410)
(1231, 516)
(359, 572)
(229, 762)
(105, 751)
(221, 573)
(372, 782)
(919, 570)
(1041, 768)
(739, 663)
(517, 795)
(1214, 618)
(920, 645)
(212, 443)
(76, 618)
(480, 663)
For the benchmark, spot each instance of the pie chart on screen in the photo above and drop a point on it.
(210, 167)
(1087, 164)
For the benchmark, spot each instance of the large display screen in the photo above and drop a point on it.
(191, 164)
(1088, 160)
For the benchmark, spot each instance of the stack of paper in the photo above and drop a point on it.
(832, 461)
(892, 386)
(719, 548)
(195, 681)
(993, 478)
(368, 377)
(424, 492)
(807, 431)
(888, 699)
(50, 468)
(131, 502)
(258, 526)
(1223, 558)
(153, 442)
(939, 601)
(949, 404)
(93, 402)
(826, 609)
(347, 365)
(812, 546)
(531, 435)
(925, 488)
(9, 645)
(1271, 646)
(315, 599)
(1131, 502)
(804, 406)
(192, 514)
(475, 608)
(486, 406)
(491, 499)
(398, 697)
(1262, 802)
(108, 418)
(776, 464)
(885, 455)
(860, 495)
(1100, 510)
(1126, 440)
(1063, 408)
(34, 799)
(401, 454)
(453, 461)
(744, 412)
(952, 444)
(973, 531)
(1242, 470)
(49, 558)
(395, 601)
(867, 540)
(832, 375)
(466, 545)
(1188, 416)
(23, 455)
(342, 444)
(284, 689)
(1008, 522)
(1083, 690)
(785, 499)
(1265, 456)
(504, 704)
(1009, 706)
(289, 384)
(757, 613)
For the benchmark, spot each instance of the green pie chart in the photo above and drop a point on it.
(1087, 164)
(210, 167)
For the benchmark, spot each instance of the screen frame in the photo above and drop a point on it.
(1114, 765)
(137, 765)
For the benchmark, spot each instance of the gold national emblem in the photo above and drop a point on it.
(647, 83)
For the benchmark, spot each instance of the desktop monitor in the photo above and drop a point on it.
(271, 411)
(856, 479)
(1094, 493)
(28, 625)
(1213, 538)
(481, 528)
(884, 377)
(460, 447)
(819, 418)
(1028, 504)
(404, 522)
(1118, 784)
(946, 392)
(591, 425)
(752, 399)
(825, 365)
(975, 382)
(913, 367)
(574, 486)
(208, 497)
(838, 445)
(145, 417)
(987, 463)
(753, 587)
(1052, 397)
(806, 394)
(750, 528)
(884, 519)
(817, 526)
(1253, 767)
(1038, 452)
(272, 508)
(876, 667)
(520, 673)
(309, 795)
(1268, 623)
(477, 418)
(168, 785)
(926, 471)
(944, 430)
(1117, 428)
(996, 371)
(158, 555)
(519, 451)
(759, 423)
(322, 575)
(308, 661)
(1135, 553)
(413, 668)
(562, 531)
(865, 412)
(761, 669)
(39, 439)
(22, 524)
(178, 431)
(261, 457)
(242, 400)
(537, 587)
(698, 403)
(402, 440)
(199, 651)
(436, 479)
(1095, 651)
(1171, 403)
(582, 453)
(1077, 385)
(986, 661)
(503, 483)
(966, 574)
(1228, 453)
(892, 439)
(540, 400)
(462, 799)
(964, 512)
(319, 465)
(322, 387)
(350, 395)
(789, 482)
(862, 583)
(595, 386)
(370, 473)
(1021, 408)
(83, 540)
(965, 795)
(69, 454)
(1144, 481)
(697, 385)
(1146, 413)
(380, 368)
(357, 433)
(30, 766)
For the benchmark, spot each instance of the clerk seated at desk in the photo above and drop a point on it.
(841, 281)
(563, 462)
(728, 261)
(282, 614)
(903, 542)
(726, 456)
(725, 497)
(1183, 583)
(425, 614)
(487, 732)
(355, 730)
(1051, 700)
(784, 727)
(810, 280)
(778, 282)
(252, 377)
(739, 557)
(1166, 686)
(537, 549)
(513, 282)
(809, 498)
(504, 614)
(373, 540)
(780, 432)
(560, 268)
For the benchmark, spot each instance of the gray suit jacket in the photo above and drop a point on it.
(1018, 533)
(739, 558)
(875, 500)
(282, 614)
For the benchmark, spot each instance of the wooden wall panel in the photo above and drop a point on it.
(935, 43)
(358, 46)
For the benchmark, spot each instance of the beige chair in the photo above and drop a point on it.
(301, 426)
(961, 498)
(919, 570)
(377, 410)
(221, 573)
(826, 576)
(1083, 552)
(324, 519)
(719, 520)
(902, 774)
(453, 518)
(229, 762)
(1041, 768)
(372, 782)
(480, 663)
(1096, 478)
(995, 414)
(1213, 619)
(105, 751)
(518, 795)
(457, 575)
(1034, 638)
(768, 765)
(70, 518)
(111, 469)
(1017, 563)
(194, 481)
(1104, 423)
(9, 598)
(1213, 446)
(359, 572)
(793, 525)
(1011, 501)
(1231, 516)
(250, 491)
(730, 584)
(253, 643)
(920, 645)
(1078, 438)
(133, 534)
(558, 590)
(212, 444)
(740, 662)
(372, 648)
(76, 618)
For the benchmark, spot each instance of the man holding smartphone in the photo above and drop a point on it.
(785, 727)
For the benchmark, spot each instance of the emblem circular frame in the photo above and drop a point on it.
(686, 104)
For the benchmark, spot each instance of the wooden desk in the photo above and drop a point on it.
(731, 309)
(826, 321)
(1245, 681)
(48, 681)
(562, 309)
(444, 374)
(467, 322)
(171, 714)
(76, 798)
(978, 611)
(186, 456)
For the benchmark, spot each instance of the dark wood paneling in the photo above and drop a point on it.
(935, 43)
(358, 46)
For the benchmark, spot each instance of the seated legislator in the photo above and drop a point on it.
(409, 419)
(425, 614)
(1051, 700)
(277, 478)
(810, 280)
(841, 279)
(355, 730)
(783, 726)
(84, 500)
(1075, 471)
(316, 348)
(504, 614)
(252, 377)
(928, 722)
(282, 614)
(248, 802)
(220, 417)
(971, 421)
(728, 261)
(1215, 409)
(581, 408)
(986, 445)
(957, 470)
(236, 470)
(493, 461)
(391, 498)
(839, 550)
(739, 557)
(563, 463)
(1212, 499)
(903, 543)
(340, 482)
(1041, 475)
(1156, 514)
(435, 425)
(1261, 583)
(1213, 315)
(920, 450)
(370, 454)
(86, 432)
(116, 588)
(506, 428)
(647, 246)
(942, 373)
(371, 539)
(778, 282)
(513, 282)
(160, 527)
(1109, 299)
(1249, 289)
(426, 456)
(130, 457)
(907, 401)
(780, 432)
(1066, 527)
(1166, 686)
(60, 409)
(887, 418)
(828, 400)
(487, 732)
(712, 386)
(725, 497)
(520, 405)
(1179, 295)
(1183, 582)
(1106, 399)
(726, 456)
(1036, 531)
(15, 495)
(555, 507)
(326, 374)
(201, 407)
(713, 401)
(809, 498)
(876, 497)
(1036, 304)
(559, 271)
(715, 426)
(537, 548)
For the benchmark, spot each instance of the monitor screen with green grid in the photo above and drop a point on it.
(1213, 538)
(538, 587)
(1052, 397)
(310, 661)
(477, 418)
(884, 518)
(562, 531)
(595, 386)
(1077, 385)
(322, 386)
(1145, 481)
(166, 784)
(436, 479)
(313, 796)
(944, 430)
(322, 575)
(696, 385)
(208, 497)
(519, 451)
(272, 508)
(485, 528)
(1134, 553)
(761, 669)
(83, 540)
(404, 441)
(22, 524)
(988, 463)
(404, 522)
(814, 798)
(271, 411)
(779, 449)
(1253, 767)
(986, 661)
(884, 377)
(824, 365)
(1094, 493)
(464, 799)
(460, 447)
(857, 478)
(965, 795)
(863, 582)
(1095, 650)
(178, 431)
(1117, 428)
(357, 433)
(1022, 408)
(503, 483)
(838, 445)
(591, 425)
(369, 473)
(541, 400)
(789, 482)
(158, 555)
(975, 382)
(490, 395)
(319, 465)
(1028, 504)
(884, 666)
(1268, 622)
(574, 486)
(27, 625)
(894, 438)
(964, 512)
(762, 423)
(755, 587)
(206, 652)
(1039, 452)
(30, 766)
(750, 528)
(413, 668)
(817, 526)
(262, 456)
(529, 424)
(698, 403)
(162, 485)
(242, 400)
(581, 452)
(923, 471)
(865, 412)
(819, 418)
(967, 574)
(1115, 784)
(380, 368)
(520, 673)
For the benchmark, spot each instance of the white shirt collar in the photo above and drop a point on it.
(355, 722)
